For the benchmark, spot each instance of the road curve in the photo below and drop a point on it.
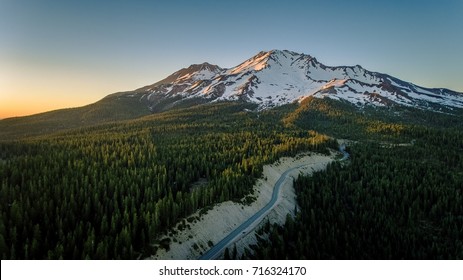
(241, 229)
(342, 149)
(221, 245)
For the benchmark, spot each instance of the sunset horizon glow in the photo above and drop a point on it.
(66, 54)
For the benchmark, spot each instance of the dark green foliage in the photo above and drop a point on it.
(342, 120)
(234, 252)
(389, 202)
(109, 191)
(226, 254)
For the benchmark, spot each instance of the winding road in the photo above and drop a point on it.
(244, 228)
(342, 149)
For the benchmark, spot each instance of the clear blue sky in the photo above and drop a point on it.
(63, 53)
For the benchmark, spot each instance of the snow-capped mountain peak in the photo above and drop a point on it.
(278, 77)
(195, 72)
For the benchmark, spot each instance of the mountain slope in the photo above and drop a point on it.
(114, 107)
(171, 91)
(267, 80)
(277, 77)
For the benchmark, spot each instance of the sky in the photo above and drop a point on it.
(60, 54)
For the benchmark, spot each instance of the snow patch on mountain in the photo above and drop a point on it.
(279, 77)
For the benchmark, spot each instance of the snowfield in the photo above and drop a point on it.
(278, 77)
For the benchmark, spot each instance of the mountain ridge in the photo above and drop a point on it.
(264, 81)
(279, 77)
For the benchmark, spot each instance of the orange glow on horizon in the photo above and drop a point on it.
(24, 93)
(19, 108)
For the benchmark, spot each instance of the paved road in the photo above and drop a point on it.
(241, 230)
(215, 251)
(342, 149)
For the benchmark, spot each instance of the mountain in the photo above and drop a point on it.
(267, 80)
(277, 77)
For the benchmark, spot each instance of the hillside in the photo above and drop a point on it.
(115, 107)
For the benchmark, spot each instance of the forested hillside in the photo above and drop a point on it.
(108, 191)
(389, 201)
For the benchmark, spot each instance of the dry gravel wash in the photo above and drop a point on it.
(225, 217)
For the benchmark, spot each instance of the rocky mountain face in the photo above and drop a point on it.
(278, 77)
